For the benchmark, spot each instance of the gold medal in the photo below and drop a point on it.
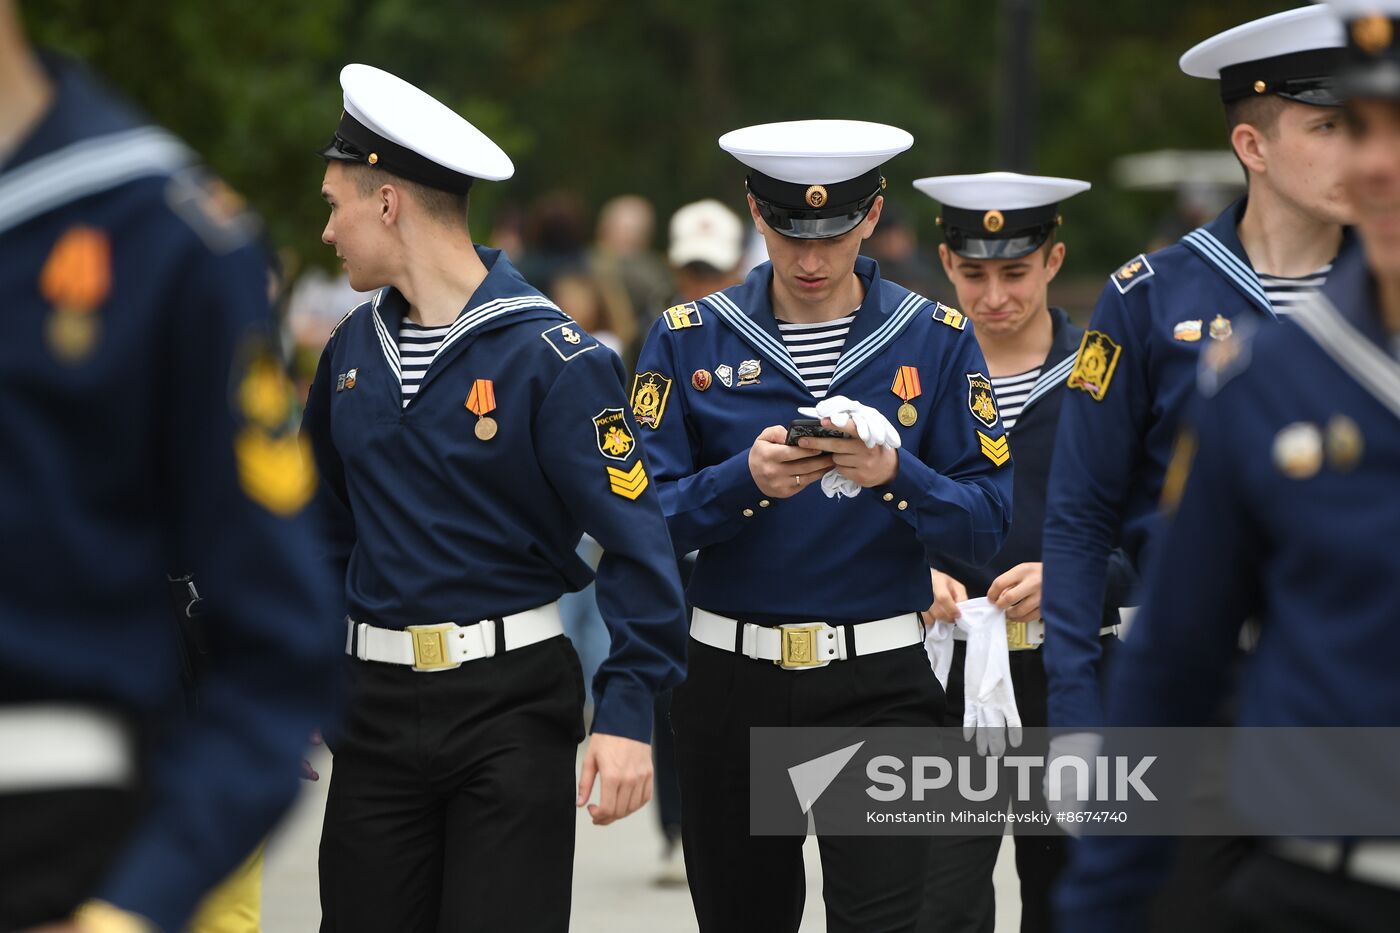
(482, 400)
(906, 386)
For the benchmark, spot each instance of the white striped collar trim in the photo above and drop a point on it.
(1209, 248)
(855, 357)
(459, 328)
(755, 336)
(1373, 369)
(85, 168)
(1049, 380)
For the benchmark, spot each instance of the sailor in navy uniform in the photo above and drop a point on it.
(1137, 361)
(1001, 253)
(807, 600)
(469, 432)
(1283, 487)
(147, 424)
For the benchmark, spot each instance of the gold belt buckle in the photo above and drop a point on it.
(1016, 637)
(798, 646)
(430, 647)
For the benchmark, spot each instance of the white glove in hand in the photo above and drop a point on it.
(989, 704)
(1084, 746)
(938, 645)
(872, 427)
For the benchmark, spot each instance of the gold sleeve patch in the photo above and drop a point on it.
(679, 317)
(614, 440)
(1094, 366)
(629, 484)
(980, 400)
(650, 392)
(996, 450)
(275, 465)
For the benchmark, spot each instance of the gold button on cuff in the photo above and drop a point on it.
(748, 513)
(903, 505)
(889, 497)
(763, 503)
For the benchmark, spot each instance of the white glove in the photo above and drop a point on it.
(1082, 745)
(872, 427)
(989, 703)
(938, 645)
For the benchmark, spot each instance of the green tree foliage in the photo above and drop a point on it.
(610, 96)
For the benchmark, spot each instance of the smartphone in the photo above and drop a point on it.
(810, 427)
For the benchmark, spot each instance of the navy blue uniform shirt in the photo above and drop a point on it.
(146, 425)
(1135, 371)
(1288, 473)
(714, 374)
(1032, 442)
(430, 523)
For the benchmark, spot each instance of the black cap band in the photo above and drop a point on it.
(995, 234)
(1372, 67)
(814, 212)
(1306, 77)
(355, 142)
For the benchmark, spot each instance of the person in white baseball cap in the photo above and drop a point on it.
(468, 433)
(707, 242)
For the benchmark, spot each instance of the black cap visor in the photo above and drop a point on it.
(816, 225)
(1014, 247)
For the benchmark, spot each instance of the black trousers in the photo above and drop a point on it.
(55, 847)
(744, 883)
(958, 893)
(451, 804)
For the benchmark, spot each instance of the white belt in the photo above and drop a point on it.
(447, 645)
(1023, 636)
(44, 747)
(1372, 861)
(800, 647)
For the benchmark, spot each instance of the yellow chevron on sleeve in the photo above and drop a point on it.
(629, 484)
(994, 449)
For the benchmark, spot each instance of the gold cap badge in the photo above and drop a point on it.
(1373, 33)
(816, 195)
(993, 221)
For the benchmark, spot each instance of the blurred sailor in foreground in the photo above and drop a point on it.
(147, 424)
(1284, 486)
(468, 434)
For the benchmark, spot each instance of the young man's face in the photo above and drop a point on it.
(1003, 295)
(1373, 180)
(812, 271)
(354, 228)
(1305, 154)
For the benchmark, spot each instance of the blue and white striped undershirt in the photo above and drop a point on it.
(417, 347)
(1284, 292)
(1011, 393)
(815, 348)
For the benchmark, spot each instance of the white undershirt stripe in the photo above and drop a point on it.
(1285, 292)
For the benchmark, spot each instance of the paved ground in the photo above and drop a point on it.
(612, 877)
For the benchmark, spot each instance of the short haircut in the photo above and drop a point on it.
(1261, 112)
(443, 206)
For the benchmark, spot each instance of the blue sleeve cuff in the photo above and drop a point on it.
(625, 709)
